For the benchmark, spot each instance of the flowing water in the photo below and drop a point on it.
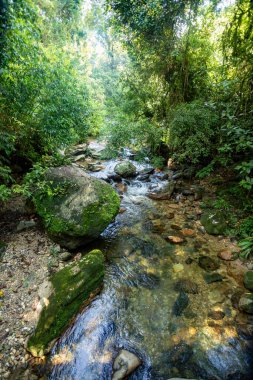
(156, 301)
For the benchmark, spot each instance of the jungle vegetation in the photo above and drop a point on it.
(145, 73)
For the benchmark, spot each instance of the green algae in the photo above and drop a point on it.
(72, 286)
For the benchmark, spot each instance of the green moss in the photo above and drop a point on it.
(89, 223)
(72, 287)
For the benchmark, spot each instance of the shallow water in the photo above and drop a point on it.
(141, 307)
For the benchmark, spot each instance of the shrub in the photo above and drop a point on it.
(193, 130)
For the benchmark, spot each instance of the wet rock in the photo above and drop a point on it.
(162, 176)
(208, 264)
(180, 304)
(236, 298)
(212, 277)
(246, 303)
(227, 255)
(121, 187)
(175, 239)
(214, 222)
(115, 177)
(25, 224)
(175, 227)
(148, 280)
(159, 196)
(188, 232)
(79, 213)
(143, 177)
(180, 354)
(69, 289)
(149, 170)
(95, 168)
(189, 261)
(248, 280)
(216, 315)
(187, 286)
(178, 268)
(125, 363)
(125, 169)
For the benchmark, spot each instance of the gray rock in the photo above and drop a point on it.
(125, 363)
(125, 169)
(81, 211)
(65, 256)
(25, 224)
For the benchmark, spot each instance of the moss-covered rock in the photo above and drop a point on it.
(214, 222)
(125, 169)
(70, 288)
(248, 280)
(246, 303)
(78, 208)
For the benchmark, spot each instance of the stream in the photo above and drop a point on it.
(157, 301)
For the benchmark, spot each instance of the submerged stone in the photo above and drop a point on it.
(208, 264)
(71, 288)
(125, 363)
(180, 304)
(79, 207)
(125, 169)
(214, 222)
(212, 277)
(187, 286)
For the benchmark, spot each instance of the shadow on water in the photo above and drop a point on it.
(140, 308)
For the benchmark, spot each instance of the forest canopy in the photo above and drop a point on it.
(149, 73)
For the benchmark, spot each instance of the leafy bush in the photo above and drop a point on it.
(246, 246)
(193, 131)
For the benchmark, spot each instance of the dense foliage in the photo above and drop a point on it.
(143, 73)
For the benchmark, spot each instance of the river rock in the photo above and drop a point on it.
(69, 289)
(214, 222)
(248, 280)
(180, 304)
(208, 264)
(175, 239)
(125, 169)
(125, 363)
(212, 277)
(227, 255)
(246, 303)
(80, 210)
(187, 286)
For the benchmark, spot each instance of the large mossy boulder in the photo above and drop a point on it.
(70, 288)
(77, 208)
(125, 169)
(214, 222)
